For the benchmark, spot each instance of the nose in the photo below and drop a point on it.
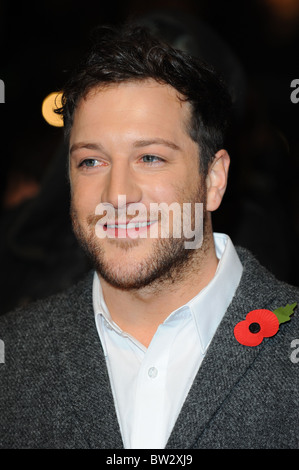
(120, 181)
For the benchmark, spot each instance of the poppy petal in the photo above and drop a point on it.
(267, 320)
(244, 336)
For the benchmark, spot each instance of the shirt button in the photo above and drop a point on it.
(108, 326)
(152, 372)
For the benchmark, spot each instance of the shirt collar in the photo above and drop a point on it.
(209, 305)
(99, 304)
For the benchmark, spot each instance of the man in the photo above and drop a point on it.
(154, 348)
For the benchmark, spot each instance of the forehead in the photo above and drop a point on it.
(147, 105)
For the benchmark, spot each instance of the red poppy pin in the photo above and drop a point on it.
(262, 323)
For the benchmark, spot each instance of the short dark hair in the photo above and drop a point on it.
(133, 53)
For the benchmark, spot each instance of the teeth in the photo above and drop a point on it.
(140, 224)
(130, 225)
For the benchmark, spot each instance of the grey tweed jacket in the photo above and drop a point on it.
(55, 390)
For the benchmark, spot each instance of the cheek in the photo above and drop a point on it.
(160, 192)
(175, 189)
(85, 197)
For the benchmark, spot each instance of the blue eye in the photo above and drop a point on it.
(89, 162)
(151, 159)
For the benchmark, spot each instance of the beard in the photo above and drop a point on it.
(167, 262)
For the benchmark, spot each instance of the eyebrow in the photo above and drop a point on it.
(137, 144)
(86, 145)
(157, 141)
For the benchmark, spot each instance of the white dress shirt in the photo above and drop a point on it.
(150, 384)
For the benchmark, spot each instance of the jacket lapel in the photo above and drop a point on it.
(84, 370)
(226, 360)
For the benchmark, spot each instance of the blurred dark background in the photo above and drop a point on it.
(254, 45)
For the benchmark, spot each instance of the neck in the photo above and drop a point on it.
(140, 312)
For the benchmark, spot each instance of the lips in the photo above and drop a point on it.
(127, 230)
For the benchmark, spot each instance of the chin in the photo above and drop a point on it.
(124, 269)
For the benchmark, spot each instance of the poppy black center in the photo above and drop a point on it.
(254, 327)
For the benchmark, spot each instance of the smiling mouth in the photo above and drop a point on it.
(128, 229)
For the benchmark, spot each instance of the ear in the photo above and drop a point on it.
(217, 179)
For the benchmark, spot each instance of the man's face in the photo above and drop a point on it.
(131, 140)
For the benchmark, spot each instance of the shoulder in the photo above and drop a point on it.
(258, 283)
(40, 315)
(33, 337)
